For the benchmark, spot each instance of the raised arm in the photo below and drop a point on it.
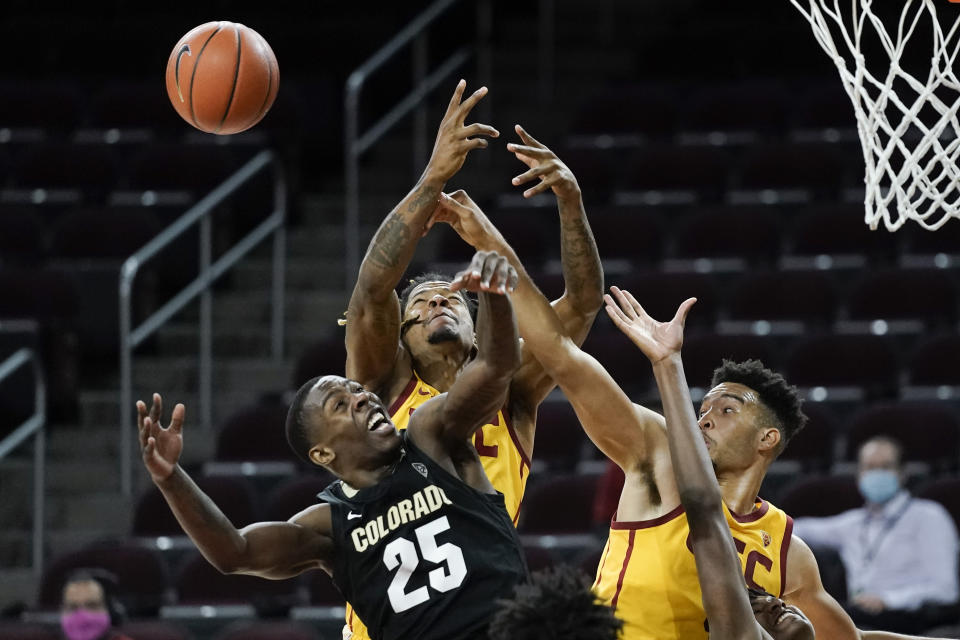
(481, 388)
(721, 581)
(275, 550)
(580, 260)
(622, 430)
(373, 314)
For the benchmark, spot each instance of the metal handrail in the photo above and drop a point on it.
(32, 427)
(131, 337)
(355, 143)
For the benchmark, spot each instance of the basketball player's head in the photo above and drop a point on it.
(337, 424)
(780, 620)
(749, 415)
(435, 318)
(557, 604)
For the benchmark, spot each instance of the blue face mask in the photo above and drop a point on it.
(879, 485)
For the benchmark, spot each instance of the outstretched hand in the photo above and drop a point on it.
(159, 446)
(657, 340)
(489, 272)
(454, 139)
(458, 210)
(544, 164)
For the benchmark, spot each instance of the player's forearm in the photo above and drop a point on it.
(696, 481)
(395, 241)
(580, 260)
(497, 339)
(213, 533)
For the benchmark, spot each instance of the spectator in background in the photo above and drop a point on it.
(899, 552)
(90, 608)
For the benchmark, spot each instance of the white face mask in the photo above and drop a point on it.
(879, 485)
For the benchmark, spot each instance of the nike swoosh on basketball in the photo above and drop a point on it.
(351, 515)
(185, 49)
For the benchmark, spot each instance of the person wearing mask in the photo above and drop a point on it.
(89, 608)
(899, 552)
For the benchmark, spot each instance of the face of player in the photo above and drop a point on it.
(436, 316)
(730, 415)
(350, 425)
(781, 621)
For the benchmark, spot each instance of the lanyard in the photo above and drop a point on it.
(870, 551)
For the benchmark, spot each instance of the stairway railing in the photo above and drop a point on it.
(131, 337)
(33, 427)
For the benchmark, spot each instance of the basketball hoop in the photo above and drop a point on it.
(908, 126)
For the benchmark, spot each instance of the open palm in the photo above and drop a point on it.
(159, 446)
(657, 340)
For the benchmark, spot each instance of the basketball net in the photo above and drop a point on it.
(908, 126)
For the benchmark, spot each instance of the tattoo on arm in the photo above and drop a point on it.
(396, 235)
(581, 260)
(391, 239)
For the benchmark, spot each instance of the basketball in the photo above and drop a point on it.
(222, 77)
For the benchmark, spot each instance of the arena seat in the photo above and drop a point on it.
(27, 631)
(704, 353)
(275, 630)
(928, 295)
(234, 496)
(820, 496)
(560, 437)
(823, 107)
(750, 234)
(929, 432)
(813, 446)
(626, 110)
(866, 361)
(559, 505)
(154, 630)
(946, 491)
(805, 296)
(255, 432)
(92, 169)
(919, 241)
(643, 245)
(199, 583)
(700, 170)
(744, 107)
(834, 230)
(809, 167)
(102, 233)
(296, 494)
(934, 361)
(131, 105)
(596, 170)
(321, 358)
(21, 235)
(49, 107)
(628, 367)
(661, 294)
(47, 295)
(141, 575)
(193, 168)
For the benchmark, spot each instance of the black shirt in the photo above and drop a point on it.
(421, 554)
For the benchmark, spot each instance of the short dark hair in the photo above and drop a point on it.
(434, 276)
(887, 440)
(781, 398)
(108, 585)
(296, 427)
(556, 603)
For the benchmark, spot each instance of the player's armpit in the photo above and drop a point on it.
(281, 550)
(805, 591)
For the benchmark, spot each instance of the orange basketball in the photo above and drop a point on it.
(222, 77)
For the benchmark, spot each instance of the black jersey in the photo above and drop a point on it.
(422, 555)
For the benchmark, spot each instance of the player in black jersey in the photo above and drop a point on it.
(413, 533)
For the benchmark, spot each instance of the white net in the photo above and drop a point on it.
(907, 123)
